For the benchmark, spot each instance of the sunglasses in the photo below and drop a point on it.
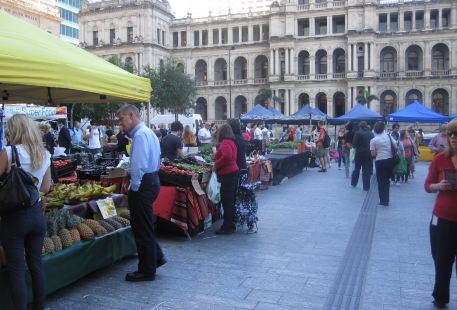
(452, 134)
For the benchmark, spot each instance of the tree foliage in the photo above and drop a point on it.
(365, 98)
(172, 89)
(264, 96)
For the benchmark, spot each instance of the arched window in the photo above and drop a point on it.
(413, 61)
(440, 57)
(321, 100)
(388, 102)
(412, 96)
(323, 64)
(201, 74)
(303, 63)
(388, 59)
(440, 101)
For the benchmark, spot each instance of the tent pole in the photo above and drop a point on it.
(148, 110)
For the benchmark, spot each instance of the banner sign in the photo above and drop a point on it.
(37, 112)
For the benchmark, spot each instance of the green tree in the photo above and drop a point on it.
(115, 60)
(172, 89)
(365, 98)
(264, 96)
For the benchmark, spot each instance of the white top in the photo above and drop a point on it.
(381, 144)
(94, 138)
(204, 135)
(258, 134)
(26, 163)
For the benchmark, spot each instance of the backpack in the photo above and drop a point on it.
(327, 140)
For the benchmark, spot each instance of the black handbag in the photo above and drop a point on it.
(17, 188)
(395, 157)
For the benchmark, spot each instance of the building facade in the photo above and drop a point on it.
(69, 28)
(322, 52)
(41, 13)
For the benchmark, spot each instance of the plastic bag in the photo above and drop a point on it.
(214, 189)
(352, 154)
(402, 167)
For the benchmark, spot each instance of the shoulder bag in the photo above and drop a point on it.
(395, 156)
(17, 188)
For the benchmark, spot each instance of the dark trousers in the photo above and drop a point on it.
(443, 243)
(142, 221)
(24, 230)
(383, 173)
(340, 156)
(229, 183)
(362, 161)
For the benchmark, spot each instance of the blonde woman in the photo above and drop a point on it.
(188, 137)
(25, 229)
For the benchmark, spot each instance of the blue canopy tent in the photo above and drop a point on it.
(259, 113)
(453, 116)
(276, 112)
(417, 112)
(358, 113)
(304, 115)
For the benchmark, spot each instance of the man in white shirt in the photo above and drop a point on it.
(204, 135)
(257, 132)
(93, 136)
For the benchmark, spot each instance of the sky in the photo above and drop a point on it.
(198, 8)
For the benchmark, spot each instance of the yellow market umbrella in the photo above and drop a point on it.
(38, 67)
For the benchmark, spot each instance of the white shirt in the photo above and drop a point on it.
(258, 134)
(26, 163)
(204, 135)
(381, 144)
(94, 138)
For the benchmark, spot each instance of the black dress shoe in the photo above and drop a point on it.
(160, 262)
(222, 231)
(139, 277)
(439, 305)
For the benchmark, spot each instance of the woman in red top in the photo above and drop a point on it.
(227, 172)
(443, 227)
(409, 153)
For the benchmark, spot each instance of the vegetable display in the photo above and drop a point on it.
(284, 145)
(73, 194)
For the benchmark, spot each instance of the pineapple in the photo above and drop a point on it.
(57, 243)
(74, 220)
(48, 246)
(75, 236)
(114, 223)
(126, 214)
(93, 224)
(65, 236)
(107, 226)
(100, 231)
(123, 221)
(85, 231)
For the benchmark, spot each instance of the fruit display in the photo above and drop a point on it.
(62, 163)
(172, 170)
(64, 167)
(190, 167)
(284, 145)
(74, 193)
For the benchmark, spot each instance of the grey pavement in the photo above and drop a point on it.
(291, 263)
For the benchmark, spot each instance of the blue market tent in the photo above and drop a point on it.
(259, 113)
(453, 116)
(305, 114)
(276, 112)
(417, 112)
(358, 113)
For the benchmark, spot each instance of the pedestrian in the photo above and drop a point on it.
(64, 138)
(395, 129)
(171, 145)
(441, 179)
(395, 136)
(439, 142)
(381, 148)
(257, 132)
(48, 137)
(408, 146)
(204, 135)
(144, 189)
(76, 133)
(225, 165)
(93, 137)
(363, 159)
(23, 231)
(414, 137)
(420, 137)
(188, 137)
(339, 145)
(321, 153)
(122, 141)
(298, 134)
(163, 130)
(349, 135)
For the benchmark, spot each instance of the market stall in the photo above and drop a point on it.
(359, 113)
(288, 165)
(37, 67)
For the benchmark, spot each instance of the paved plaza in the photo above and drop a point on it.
(321, 245)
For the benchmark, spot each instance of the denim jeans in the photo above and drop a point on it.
(19, 231)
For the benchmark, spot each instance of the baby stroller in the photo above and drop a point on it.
(334, 155)
(246, 204)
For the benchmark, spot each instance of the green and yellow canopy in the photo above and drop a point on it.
(38, 67)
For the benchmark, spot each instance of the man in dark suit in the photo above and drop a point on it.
(64, 138)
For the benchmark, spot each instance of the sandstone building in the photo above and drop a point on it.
(321, 52)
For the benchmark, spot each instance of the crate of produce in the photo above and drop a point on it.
(284, 151)
(91, 172)
(64, 167)
(116, 172)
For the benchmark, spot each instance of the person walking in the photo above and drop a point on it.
(171, 145)
(409, 150)
(348, 137)
(64, 137)
(441, 179)
(321, 153)
(363, 159)
(225, 165)
(414, 137)
(204, 135)
(381, 148)
(93, 137)
(24, 230)
(76, 133)
(188, 137)
(340, 144)
(439, 142)
(48, 138)
(144, 189)
(395, 136)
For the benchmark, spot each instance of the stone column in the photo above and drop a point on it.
(277, 67)
(210, 70)
(373, 60)
(292, 61)
(190, 42)
(414, 21)
(401, 62)
(330, 106)
(272, 62)
(440, 15)
(312, 31)
(349, 55)
(240, 32)
(210, 37)
(286, 102)
(426, 18)
(329, 66)
(388, 22)
(312, 66)
(293, 106)
(428, 59)
(355, 60)
(179, 38)
(250, 34)
(286, 50)
(365, 56)
(220, 40)
(454, 16)
(401, 21)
